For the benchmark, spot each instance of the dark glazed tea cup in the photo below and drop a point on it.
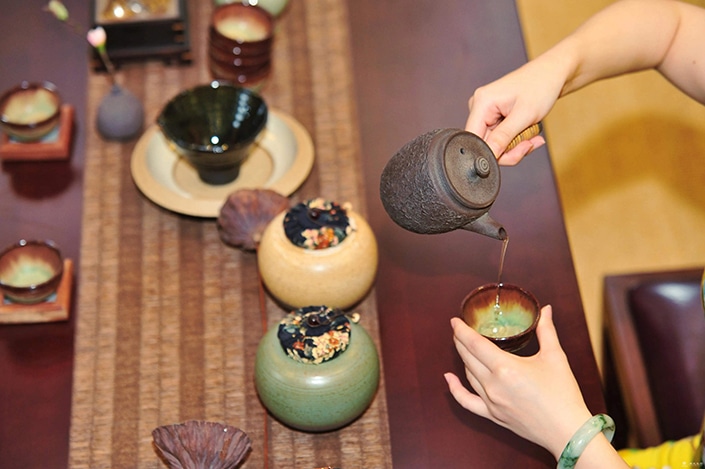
(241, 25)
(214, 126)
(30, 271)
(506, 314)
(30, 111)
(240, 40)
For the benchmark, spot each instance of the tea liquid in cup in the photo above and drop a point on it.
(506, 314)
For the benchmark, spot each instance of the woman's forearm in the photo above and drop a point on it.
(600, 454)
(634, 35)
(627, 36)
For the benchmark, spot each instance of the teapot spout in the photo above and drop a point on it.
(487, 226)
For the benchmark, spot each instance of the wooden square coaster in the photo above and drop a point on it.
(55, 309)
(57, 148)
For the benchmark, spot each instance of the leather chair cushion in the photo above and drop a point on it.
(670, 323)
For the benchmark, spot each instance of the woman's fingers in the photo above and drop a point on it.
(465, 398)
(482, 119)
(471, 362)
(475, 345)
(516, 154)
(546, 331)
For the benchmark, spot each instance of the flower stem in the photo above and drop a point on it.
(108, 64)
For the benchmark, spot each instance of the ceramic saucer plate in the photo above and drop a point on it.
(281, 160)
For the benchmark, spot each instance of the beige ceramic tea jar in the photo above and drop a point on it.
(318, 252)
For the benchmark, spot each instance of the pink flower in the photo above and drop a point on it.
(97, 37)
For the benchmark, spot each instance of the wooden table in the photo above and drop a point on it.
(41, 200)
(415, 67)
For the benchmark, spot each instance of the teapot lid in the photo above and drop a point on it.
(314, 334)
(471, 170)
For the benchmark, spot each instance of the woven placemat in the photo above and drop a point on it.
(169, 317)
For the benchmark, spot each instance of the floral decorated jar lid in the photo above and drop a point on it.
(315, 334)
(318, 224)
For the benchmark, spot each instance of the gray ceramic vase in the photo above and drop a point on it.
(120, 115)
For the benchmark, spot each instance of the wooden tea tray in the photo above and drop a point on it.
(56, 149)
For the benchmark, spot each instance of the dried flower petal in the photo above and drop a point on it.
(246, 214)
(198, 444)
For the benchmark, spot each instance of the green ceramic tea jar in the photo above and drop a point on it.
(317, 371)
(318, 253)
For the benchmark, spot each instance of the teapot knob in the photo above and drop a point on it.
(482, 167)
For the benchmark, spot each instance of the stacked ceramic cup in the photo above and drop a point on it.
(240, 44)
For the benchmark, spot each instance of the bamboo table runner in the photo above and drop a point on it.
(169, 317)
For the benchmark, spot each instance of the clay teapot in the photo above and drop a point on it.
(441, 181)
